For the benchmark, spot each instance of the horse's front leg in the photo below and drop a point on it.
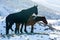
(17, 28)
(21, 28)
(12, 29)
(32, 29)
(25, 29)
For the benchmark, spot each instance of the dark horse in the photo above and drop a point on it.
(33, 20)
(20, 17)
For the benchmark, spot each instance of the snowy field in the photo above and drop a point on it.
(43, 32)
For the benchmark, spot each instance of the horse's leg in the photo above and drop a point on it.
(17, 28)
(25, 28)
(12, 29)
(32, 28)
(21, 28)
(7, 28)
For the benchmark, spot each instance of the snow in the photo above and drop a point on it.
(37, 28)
(51, 12)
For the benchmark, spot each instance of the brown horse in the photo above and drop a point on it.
(33, 20)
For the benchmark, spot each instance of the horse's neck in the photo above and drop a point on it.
(27, 13)
(38, 19)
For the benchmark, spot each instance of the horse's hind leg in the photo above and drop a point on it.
(7, 30)
(8, 26)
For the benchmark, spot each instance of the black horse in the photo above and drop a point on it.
(20, 17)
(33, 20)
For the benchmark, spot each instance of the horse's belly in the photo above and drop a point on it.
(30, 23)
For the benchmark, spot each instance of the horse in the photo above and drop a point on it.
(20, 17)
(32, 21)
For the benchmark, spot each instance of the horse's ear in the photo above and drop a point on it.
(36, 5)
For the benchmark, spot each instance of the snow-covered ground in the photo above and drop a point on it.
(52, 34)
(51, 12)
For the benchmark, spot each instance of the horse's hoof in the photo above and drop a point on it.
(25, 31)
(31, 31)
(21, 32)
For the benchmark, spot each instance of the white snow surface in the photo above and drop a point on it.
(51, 12)
(53, 35)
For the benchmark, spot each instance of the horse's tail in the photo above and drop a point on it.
(9, 24)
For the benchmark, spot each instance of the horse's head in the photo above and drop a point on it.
(43, 19)
(35, 9)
